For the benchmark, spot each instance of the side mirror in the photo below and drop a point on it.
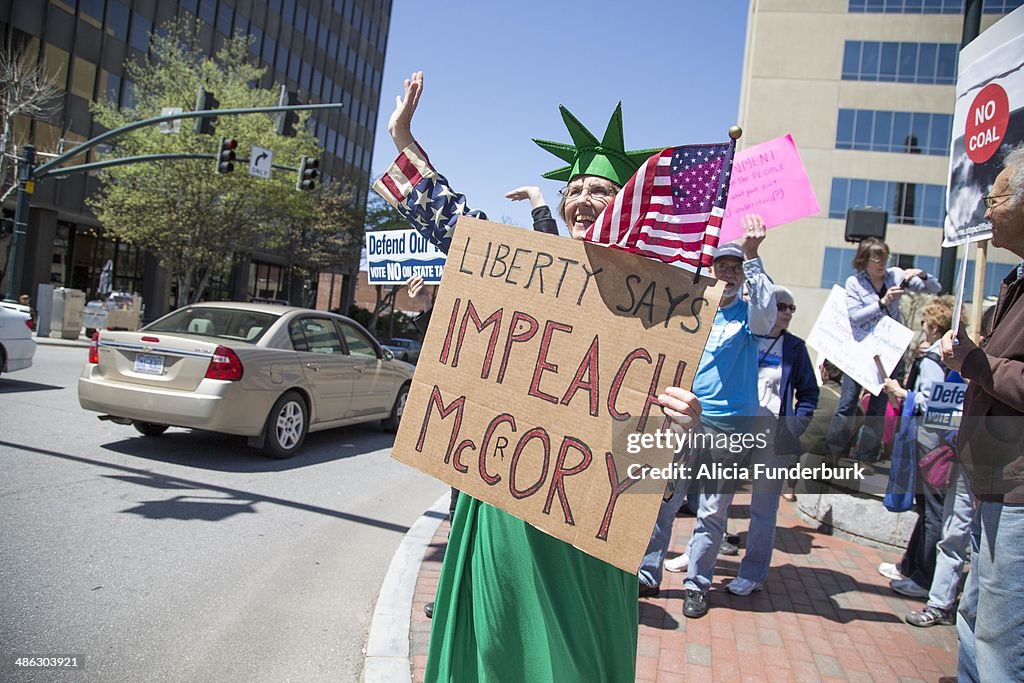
(388, 355)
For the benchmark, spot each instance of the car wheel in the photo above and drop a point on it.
(3, 360)
(395, 418)
(286, 426)
(149, 428)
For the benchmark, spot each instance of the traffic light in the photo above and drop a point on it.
(205, 101)
(226, 155)
(286, 120)
(308, 173)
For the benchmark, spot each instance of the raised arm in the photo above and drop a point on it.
(412, 184)
(762, 308)
(541, 212)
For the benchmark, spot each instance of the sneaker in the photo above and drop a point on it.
(890, 571)
(929, 616)
(428, 609)
(677, 564)
(741, 586)
(649, 591)
(728, 548)
(908, 588)
(695, 604)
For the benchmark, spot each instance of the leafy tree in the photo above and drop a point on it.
(196, 221)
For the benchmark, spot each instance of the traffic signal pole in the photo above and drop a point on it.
(28, 174)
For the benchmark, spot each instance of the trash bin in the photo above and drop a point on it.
(66, 317)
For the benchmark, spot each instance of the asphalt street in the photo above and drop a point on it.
(188, 556)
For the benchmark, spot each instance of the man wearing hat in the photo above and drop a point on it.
(726, 384)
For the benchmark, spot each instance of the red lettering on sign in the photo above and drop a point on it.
(480, 325)
(517, 337)
(618, 486)
(457, 406)
(590, 367)
(542, 364)
(541, 435)
(986, 123)
(557, 479)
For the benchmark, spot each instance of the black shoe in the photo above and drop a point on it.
(649, 591)
(733, 538)
(695, 605)
(428, 609)
(728, 548)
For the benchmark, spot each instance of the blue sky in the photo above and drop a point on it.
(495, 73)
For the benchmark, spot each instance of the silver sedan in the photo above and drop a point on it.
(271, 373)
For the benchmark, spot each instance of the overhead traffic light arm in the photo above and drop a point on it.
(43, 171)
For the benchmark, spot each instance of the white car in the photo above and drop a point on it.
(16, 345)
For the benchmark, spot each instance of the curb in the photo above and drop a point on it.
(387, 647)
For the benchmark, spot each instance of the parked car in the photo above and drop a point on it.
(271, 373)
(17, 348)
(404, 349)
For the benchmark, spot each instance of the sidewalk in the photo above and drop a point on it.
(825, 614)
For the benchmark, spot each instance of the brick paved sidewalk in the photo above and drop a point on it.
(825, 614)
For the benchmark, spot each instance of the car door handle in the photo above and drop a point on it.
(313, 366)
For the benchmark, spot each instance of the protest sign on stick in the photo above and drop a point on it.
(833, 337)
(768, 179)
(394, 256)
(542, 352)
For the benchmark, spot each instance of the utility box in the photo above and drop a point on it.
(44, 309)
(66, 316)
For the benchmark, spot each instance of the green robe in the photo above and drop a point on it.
(515, 604)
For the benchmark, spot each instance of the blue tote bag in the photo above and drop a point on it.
(899, 494)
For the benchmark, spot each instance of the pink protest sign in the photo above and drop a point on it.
(768, 179)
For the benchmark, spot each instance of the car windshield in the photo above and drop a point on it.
(222, 323)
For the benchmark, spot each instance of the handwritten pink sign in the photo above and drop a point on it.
(768, 179)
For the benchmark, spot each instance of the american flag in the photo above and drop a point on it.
(672, 208)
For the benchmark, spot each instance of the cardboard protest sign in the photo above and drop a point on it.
(394, 256)
(989, 118)
(768, 179)
(542, 354)
(833, 337)
(945, 405)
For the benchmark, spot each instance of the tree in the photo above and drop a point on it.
(196, 221)
(25, 90)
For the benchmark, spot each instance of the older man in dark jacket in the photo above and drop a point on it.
(990, 622)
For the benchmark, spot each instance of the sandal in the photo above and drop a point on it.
(929, 616)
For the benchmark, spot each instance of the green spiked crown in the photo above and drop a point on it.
(606, 158)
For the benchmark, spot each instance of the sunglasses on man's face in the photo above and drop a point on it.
(786, 307)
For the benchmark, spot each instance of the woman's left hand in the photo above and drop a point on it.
(912, 273)
(681, 407)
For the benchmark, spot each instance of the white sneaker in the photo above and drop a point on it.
(677, 564)
(909, 588)
(890, 571)
(741, 586)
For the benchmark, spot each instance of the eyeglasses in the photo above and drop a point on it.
(990, 200)
(599, 193)
(723, 267)
(879, 259)
(786, 307)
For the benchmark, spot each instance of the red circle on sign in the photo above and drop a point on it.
(986, 123)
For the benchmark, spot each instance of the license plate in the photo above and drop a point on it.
(150, 365)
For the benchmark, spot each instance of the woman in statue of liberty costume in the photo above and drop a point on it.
(513, 603)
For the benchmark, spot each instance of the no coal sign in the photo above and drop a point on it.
(986, 122)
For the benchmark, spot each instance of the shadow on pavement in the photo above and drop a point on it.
(214, 507)
(229, 453)
(13, 386)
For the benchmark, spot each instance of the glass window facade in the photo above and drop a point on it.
(907, 203)
(894, 131)
(929, 6)
(927, 63)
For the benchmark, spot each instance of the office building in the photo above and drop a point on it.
(866, 88)
(325, 50)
